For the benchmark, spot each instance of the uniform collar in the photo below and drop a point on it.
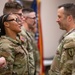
(17, 41)
(69, 32)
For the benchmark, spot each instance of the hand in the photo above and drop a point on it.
(2, 62)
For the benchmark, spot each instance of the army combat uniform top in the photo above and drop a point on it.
(34, 57)
(16, 56)
(64, 60)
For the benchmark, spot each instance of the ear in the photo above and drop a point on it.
(6, 24)
(70, 18)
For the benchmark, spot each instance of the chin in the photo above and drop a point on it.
(19, 31)
(62, 28)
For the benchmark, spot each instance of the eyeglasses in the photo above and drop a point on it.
(32, 17)
(20, 14)
(17, 20)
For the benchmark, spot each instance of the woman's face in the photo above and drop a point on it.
(13, 23)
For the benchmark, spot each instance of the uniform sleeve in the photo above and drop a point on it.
(7, 51)
(54, 68)
(37, 62)
(67, 57)
(66, 64)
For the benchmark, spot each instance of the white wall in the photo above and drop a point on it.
(50, 29)
(2, 2)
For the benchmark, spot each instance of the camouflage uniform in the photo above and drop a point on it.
(64, 60)
(16, 56)
(34, 59)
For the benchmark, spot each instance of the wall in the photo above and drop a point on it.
(50, 29)
(2, 2)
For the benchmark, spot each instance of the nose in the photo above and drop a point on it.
(57, 20)
(20, 23)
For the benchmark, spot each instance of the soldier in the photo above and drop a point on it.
(64, 60)
(28, 31)
(13, 7)
(10, 7)
(11, 47)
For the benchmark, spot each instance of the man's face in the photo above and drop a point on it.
(31, 20)
(19, 14)
(62, 19)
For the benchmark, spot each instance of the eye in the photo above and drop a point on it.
(20, 14)
(32, 17)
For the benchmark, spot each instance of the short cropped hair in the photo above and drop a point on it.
(27, 10)
(69, 9)
(11, 7)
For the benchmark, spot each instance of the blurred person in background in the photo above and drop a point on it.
(13, 7)
(28, 31)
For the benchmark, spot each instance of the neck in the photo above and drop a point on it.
(70, 27)
(11, 34)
